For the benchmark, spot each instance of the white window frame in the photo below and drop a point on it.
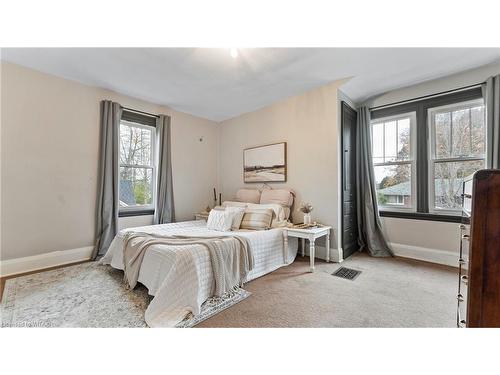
(432, 160)
(153, 167)
(412, 161)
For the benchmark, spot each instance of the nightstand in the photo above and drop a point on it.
(310, 234)
(201, 216)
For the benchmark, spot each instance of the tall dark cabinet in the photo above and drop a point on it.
(349, 211)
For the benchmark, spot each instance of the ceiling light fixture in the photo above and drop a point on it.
(233, 52)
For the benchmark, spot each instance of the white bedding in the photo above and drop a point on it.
(177, 293)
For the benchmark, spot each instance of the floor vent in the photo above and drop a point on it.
(346, 273)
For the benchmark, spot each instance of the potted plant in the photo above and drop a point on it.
(306, 208)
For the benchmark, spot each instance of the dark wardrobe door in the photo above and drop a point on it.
(349, 213)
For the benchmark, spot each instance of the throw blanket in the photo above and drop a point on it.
(230, 256)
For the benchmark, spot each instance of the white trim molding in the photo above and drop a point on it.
(336, 255)
(447, 258)
(15, 266)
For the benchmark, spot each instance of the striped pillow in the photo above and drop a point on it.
(257, 218)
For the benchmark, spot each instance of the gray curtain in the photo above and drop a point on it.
(108, 178)
(370, 234)
(491, 95)
(164, 212)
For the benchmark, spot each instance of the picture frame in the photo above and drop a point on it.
(266, 163)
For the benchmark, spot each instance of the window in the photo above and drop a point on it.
(421, 177)
(137, 166)
(393, 156)
(457, 150)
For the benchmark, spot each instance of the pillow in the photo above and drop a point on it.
(220, 220)
(282, 197)
(257, 219)
(248, 195)
(237, 215)
(287, 212)
(279, 211)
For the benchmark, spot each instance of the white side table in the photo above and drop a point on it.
(310, 234)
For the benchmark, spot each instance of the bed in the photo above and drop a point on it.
(178, 293)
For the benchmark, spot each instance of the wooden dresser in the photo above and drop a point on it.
(479, 263)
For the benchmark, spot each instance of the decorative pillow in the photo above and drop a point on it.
(287, 212)
(237, 216)
(279, 211)
(257, 219)
(248, 195)
(282, 197)
(220, 220)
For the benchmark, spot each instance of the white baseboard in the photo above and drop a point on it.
(447, 258)
(336, 255)
(38, 262)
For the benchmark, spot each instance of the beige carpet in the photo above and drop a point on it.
(388, 293)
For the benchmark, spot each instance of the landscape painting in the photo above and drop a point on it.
(265, 163)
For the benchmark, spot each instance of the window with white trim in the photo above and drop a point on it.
(393, 156)
(457, 149)
(137, 166)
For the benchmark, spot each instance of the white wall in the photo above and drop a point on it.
(49, 159)
(308, 123)
(428, 240)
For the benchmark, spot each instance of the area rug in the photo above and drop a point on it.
(86, 295)
(214, 306)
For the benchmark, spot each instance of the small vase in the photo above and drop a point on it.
(307, 218)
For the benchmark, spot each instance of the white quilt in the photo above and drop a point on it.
(165, 270)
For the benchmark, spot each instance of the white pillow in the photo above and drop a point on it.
(279, 211)
(237, 215)
(220, 220)
(248, 195)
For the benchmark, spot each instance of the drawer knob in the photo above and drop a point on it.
(465, 236)
(460, 298)
(462, 227)
(464, 279)
(469, 196)
(462, 261)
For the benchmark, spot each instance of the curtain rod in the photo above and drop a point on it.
(141, 112)
(426, 96)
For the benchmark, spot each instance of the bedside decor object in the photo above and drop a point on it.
(306, 209)
(265, 163)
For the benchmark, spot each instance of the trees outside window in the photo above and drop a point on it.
(137, 169)
(457, 150)
(394, 161)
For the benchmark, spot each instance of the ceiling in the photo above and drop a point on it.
(209, 83)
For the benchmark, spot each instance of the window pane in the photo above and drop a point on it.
(448, 178)
(393, 185)
(390, 141)
(135, 145)
(442, 122)
(404, 139)
(378, 143)
(136, 186)
(478, 130)
(461, 136)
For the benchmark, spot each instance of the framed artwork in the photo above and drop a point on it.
(265, 163)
